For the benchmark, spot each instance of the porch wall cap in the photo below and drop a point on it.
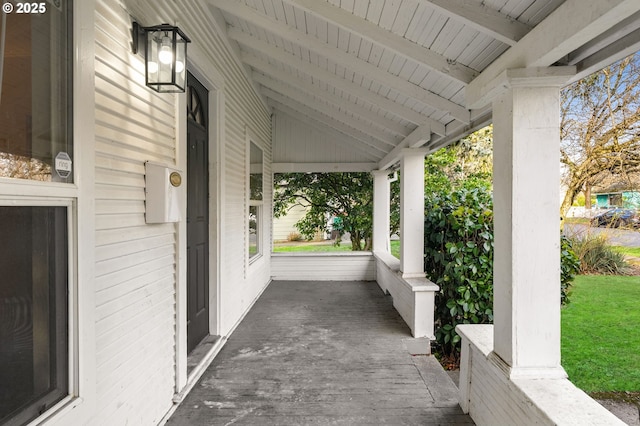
(389, 260)
(415, 284)
(564, 403)
(480, 335)
(552, 398)
(421, 284)
(328, 254)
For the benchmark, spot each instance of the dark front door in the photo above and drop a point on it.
(197, 213)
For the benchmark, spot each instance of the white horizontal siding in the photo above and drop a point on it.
(349, 266)
(285, 225)
(135, 262)
(297, 142)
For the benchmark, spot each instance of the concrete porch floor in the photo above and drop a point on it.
(321, 353)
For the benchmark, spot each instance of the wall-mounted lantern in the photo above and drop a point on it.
(165, 56)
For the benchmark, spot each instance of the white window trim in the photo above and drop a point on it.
(78, 197)
(250, 137)
(72, 288)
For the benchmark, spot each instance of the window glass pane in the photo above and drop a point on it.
(33, 311)
(255, 174)
(254, 231)
(35, 91)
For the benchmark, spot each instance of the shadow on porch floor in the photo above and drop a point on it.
(321, 353)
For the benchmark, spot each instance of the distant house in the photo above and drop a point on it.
(285, 225)
(621, 194)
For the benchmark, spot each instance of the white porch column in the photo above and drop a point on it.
(526, 172)
(412, 213)
(381, 211)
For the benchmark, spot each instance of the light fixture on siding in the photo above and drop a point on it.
(165, 56)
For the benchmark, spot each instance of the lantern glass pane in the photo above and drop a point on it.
(166, 60)
(155, 68)
(181, 62)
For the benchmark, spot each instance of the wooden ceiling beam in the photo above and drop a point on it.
(572, 25)
(399, 45)
(484, 19)
(319, 74)
(378, 138)
(285, 84)
(416, 139)
(378, 146)
(353, 63)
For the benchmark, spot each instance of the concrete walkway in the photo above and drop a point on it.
(321, 353)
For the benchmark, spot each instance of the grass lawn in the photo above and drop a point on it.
(395, 248)
(629, 251)
(310, 247)
(600, 334)
(582, 220)
(325, 247)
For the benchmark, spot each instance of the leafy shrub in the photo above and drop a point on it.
(294, 236)
(569, 267)
(596, 256)
(459, 258)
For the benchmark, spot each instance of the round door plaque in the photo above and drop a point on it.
(175, 179)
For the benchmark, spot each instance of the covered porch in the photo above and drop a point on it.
(285, 86)
(322, 352)
(349, 91)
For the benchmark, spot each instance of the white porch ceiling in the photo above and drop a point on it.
(390, 74)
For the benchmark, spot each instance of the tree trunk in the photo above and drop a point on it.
(355, 241)
(568, 200)
(587, 196)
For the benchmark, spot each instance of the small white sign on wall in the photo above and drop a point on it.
(63, 165)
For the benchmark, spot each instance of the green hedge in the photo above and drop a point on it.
(459, 258)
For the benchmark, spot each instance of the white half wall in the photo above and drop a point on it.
(491, 397)
(345, 266)
(413, 298)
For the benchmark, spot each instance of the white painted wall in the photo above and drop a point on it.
(345, 266)
(413, 298)
(137, 264)
(295, 141)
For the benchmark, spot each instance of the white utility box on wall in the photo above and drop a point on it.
(162, 188)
